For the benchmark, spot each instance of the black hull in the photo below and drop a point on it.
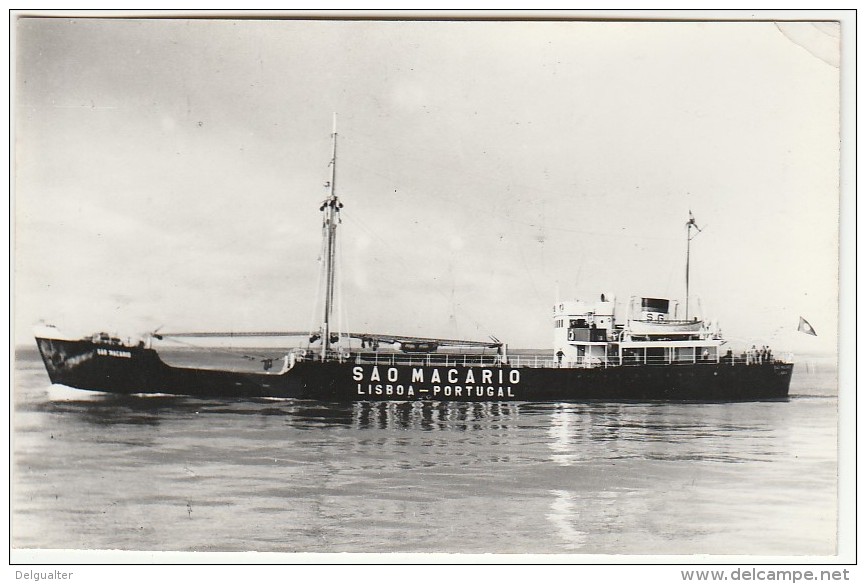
(138, 370)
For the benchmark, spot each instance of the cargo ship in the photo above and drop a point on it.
(649, 354)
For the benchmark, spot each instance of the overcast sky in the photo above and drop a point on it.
(169, 173)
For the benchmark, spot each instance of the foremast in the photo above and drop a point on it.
(330, 220)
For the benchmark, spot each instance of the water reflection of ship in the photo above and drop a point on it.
(575, 428)
(583, 434)
(566, 519)
(433, 415)
(114, 410)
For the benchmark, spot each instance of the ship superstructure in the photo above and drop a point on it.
(588, 334)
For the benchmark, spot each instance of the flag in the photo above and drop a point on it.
(805, 327)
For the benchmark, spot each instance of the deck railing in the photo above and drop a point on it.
(427, 359)
(532, 361)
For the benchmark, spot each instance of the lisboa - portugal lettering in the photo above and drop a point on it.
(435, 383)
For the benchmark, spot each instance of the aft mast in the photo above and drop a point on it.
(691, 223)
(330, 219)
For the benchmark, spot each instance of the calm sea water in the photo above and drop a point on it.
(94, 471)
